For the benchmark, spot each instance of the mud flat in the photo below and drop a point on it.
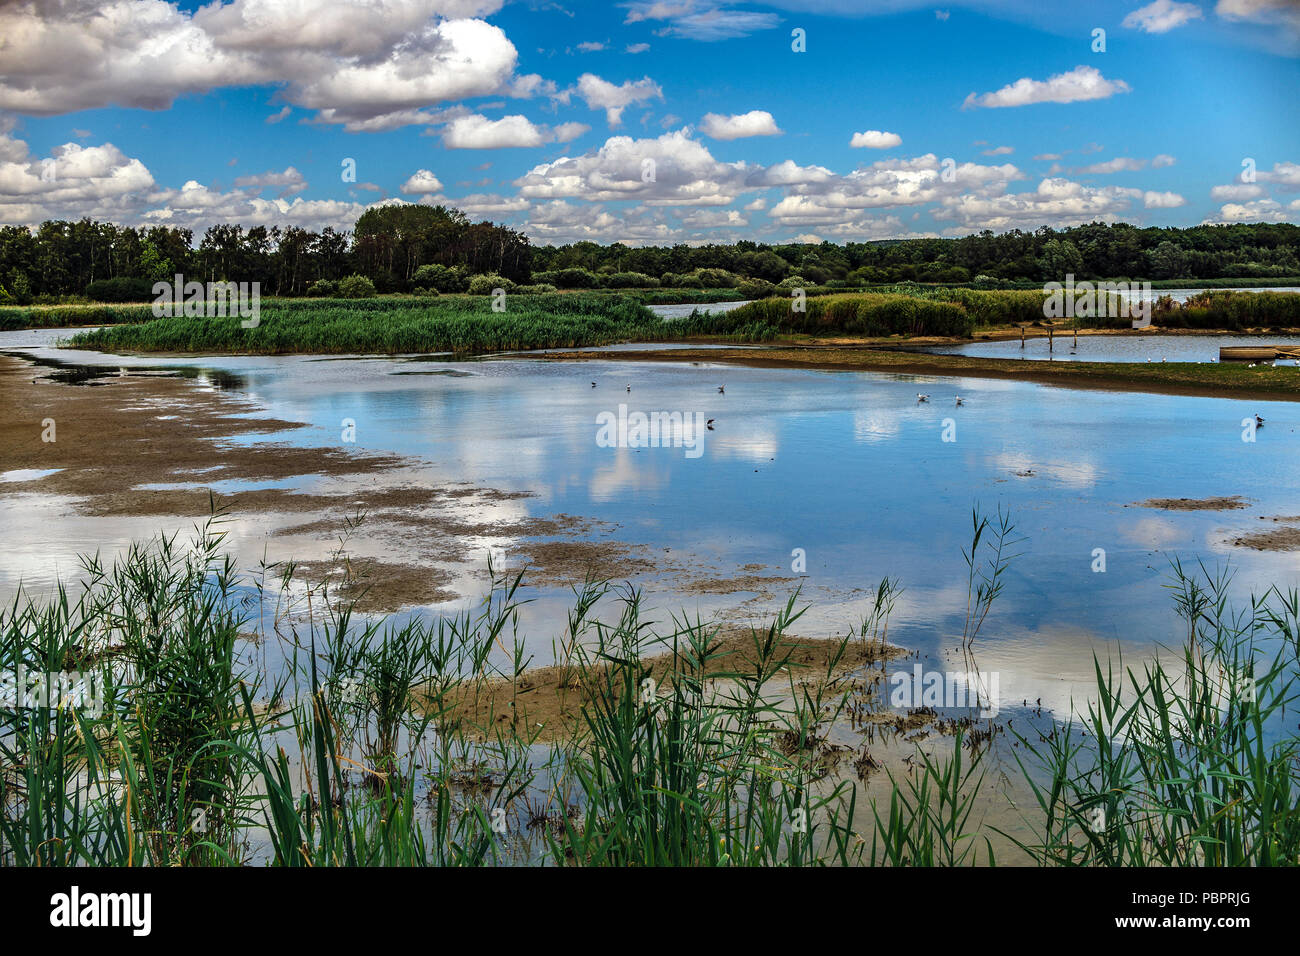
(1222, 503)
(149, 446)
(546, 702)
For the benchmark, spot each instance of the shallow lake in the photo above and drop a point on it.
(849, 468)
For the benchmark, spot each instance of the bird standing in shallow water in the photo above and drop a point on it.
(593, 384)
(922, 398)
(629, 388)
(1258, 421)
(959, 401)
(722, 390)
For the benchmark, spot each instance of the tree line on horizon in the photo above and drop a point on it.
(414, 248)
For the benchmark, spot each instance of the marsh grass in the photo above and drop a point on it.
(367, 744)
(912, 311)
(1182, 762)
(461, 324)
(13, 318)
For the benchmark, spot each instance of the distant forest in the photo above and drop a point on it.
(406, 248)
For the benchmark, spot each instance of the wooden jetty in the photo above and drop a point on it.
(1258, 353)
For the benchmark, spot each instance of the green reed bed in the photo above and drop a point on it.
(870, 314)
(914, 311)
(246, 722)
(1234, 310)
(909, 311)
(461, 324)
(13, 318)
(358, 751)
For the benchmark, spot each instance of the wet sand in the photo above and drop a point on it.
(376, 534)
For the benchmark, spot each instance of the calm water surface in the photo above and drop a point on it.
(848, 467)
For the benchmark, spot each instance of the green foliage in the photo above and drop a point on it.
(668, 296)
(710, 279)
(573, 278)
(488, 284)
(356, 287)
(914, 310)
(441, 278)
(189, 762)
(870, 314)
(756, 289)
(120, 290)
(323, 289)
(630, 280)
(392, 243)
(20, 289)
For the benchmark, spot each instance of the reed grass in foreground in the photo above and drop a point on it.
(317, 740)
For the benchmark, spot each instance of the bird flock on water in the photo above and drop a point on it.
(921, 399)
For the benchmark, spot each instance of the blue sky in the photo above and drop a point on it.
(670, 121)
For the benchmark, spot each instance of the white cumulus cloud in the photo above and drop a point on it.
(753, 123)
(1081, 83)
(600, 94)
(875, 139)
(422, 181)
(1162, 16)
(476, 132)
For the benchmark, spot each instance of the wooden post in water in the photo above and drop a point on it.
(1076, 336)
(1051, 332)
(1022, 336)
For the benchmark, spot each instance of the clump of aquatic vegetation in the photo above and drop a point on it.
(462, 324)
(57, 317)
(1180, 763)
(913, 311)
(867, 314)
(907, 311)
(243, 722)
(1234, 310)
